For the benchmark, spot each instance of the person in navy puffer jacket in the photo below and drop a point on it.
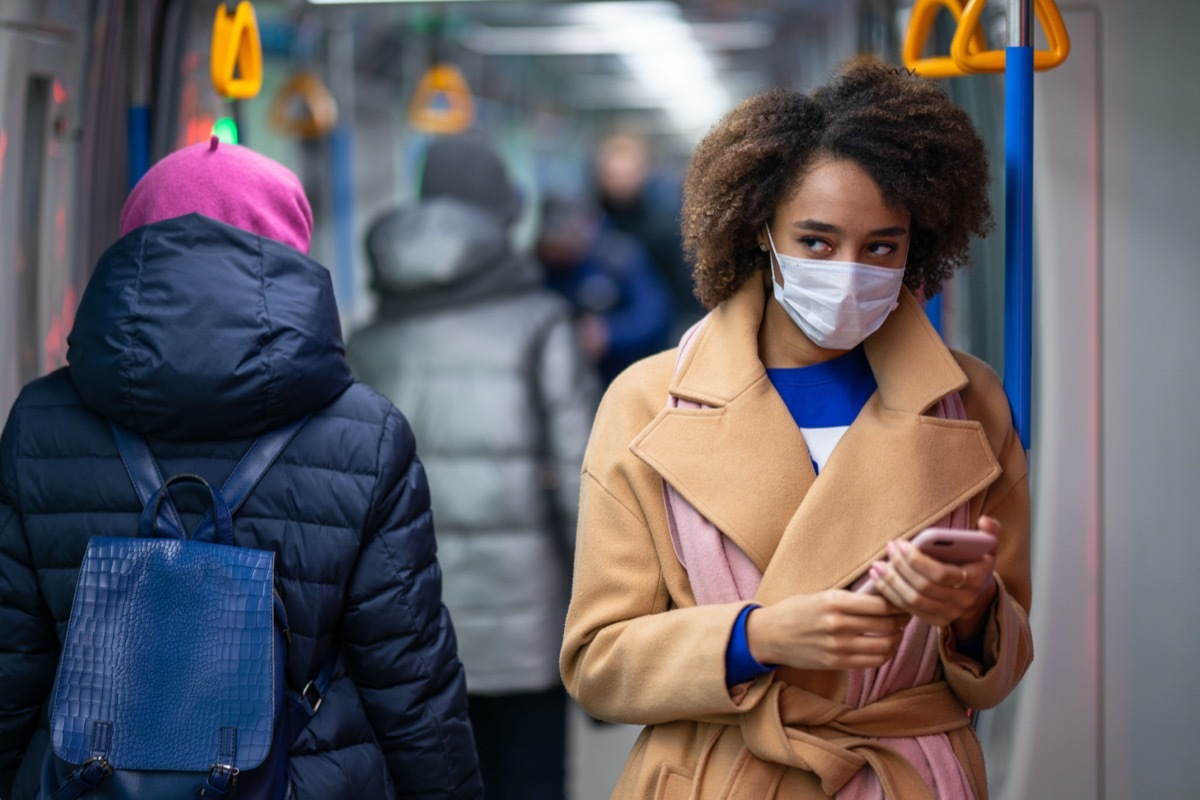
(203, 326)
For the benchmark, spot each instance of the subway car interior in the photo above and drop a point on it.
(348, 94)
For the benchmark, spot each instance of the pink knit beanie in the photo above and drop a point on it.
(229, 183)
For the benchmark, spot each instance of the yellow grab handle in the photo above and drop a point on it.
(1059, 44)
(236, 48)
(445, 80)
(924, 13)
(317, 112)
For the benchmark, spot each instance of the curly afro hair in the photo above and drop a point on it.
(920, 149)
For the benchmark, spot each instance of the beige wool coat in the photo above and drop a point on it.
(637, 648)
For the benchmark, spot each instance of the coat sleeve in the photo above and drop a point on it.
(632, 652)
(628, 655)
(398, 638)
(1007, 639)
(568, 388)
(28, 645)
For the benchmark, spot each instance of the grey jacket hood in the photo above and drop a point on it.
(443, 252)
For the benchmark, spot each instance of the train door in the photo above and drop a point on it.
(42, 58)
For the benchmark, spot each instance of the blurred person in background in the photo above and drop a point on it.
(501, 399)
(646, 206)
(203, 326)
(623, 306)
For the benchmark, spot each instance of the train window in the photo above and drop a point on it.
(29, 228)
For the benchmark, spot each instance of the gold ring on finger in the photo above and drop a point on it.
(962, 581)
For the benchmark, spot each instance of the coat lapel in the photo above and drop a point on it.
(894, 472)
(743, 464)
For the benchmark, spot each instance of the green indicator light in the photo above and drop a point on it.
(226, 130)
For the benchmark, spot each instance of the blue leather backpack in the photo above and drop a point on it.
(171, 680)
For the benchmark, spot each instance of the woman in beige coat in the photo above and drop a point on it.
(737, 488)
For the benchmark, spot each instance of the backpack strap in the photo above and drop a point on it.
(303, 706)
(83, 780)
(146, 477)
(250, 470)
(144, 474)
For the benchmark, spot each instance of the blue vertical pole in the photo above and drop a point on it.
(341, 142)
(137, 116)
(1018, 216)
(341, 147)
(138, 120)
(933, 310)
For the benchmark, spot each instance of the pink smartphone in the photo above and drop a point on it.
(951, 545)
(954, 546)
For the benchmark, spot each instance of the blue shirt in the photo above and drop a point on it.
(825, 398)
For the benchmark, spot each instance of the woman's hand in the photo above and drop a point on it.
(938, 593)
(834, 629)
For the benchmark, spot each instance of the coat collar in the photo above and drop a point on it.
(743, 464)
(912, 366)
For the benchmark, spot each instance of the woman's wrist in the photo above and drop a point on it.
(758, 636)
(970, 625)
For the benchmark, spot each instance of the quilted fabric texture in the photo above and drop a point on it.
(169, 641)
(215, 359)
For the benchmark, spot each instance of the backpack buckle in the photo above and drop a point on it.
(94, 770)
(221, 778)
(307, 694)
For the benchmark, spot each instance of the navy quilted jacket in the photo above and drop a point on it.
(201, 336)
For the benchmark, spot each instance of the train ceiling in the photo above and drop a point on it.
(674, 64)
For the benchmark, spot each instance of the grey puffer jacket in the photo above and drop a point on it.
(487, 367)
(201, 336)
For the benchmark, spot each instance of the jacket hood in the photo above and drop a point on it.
(444, 252)
(467, 169)
(193, 329)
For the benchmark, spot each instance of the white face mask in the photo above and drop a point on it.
(837, 304)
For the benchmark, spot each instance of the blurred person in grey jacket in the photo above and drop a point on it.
(501, 397)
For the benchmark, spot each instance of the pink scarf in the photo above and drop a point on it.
(720, 572)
